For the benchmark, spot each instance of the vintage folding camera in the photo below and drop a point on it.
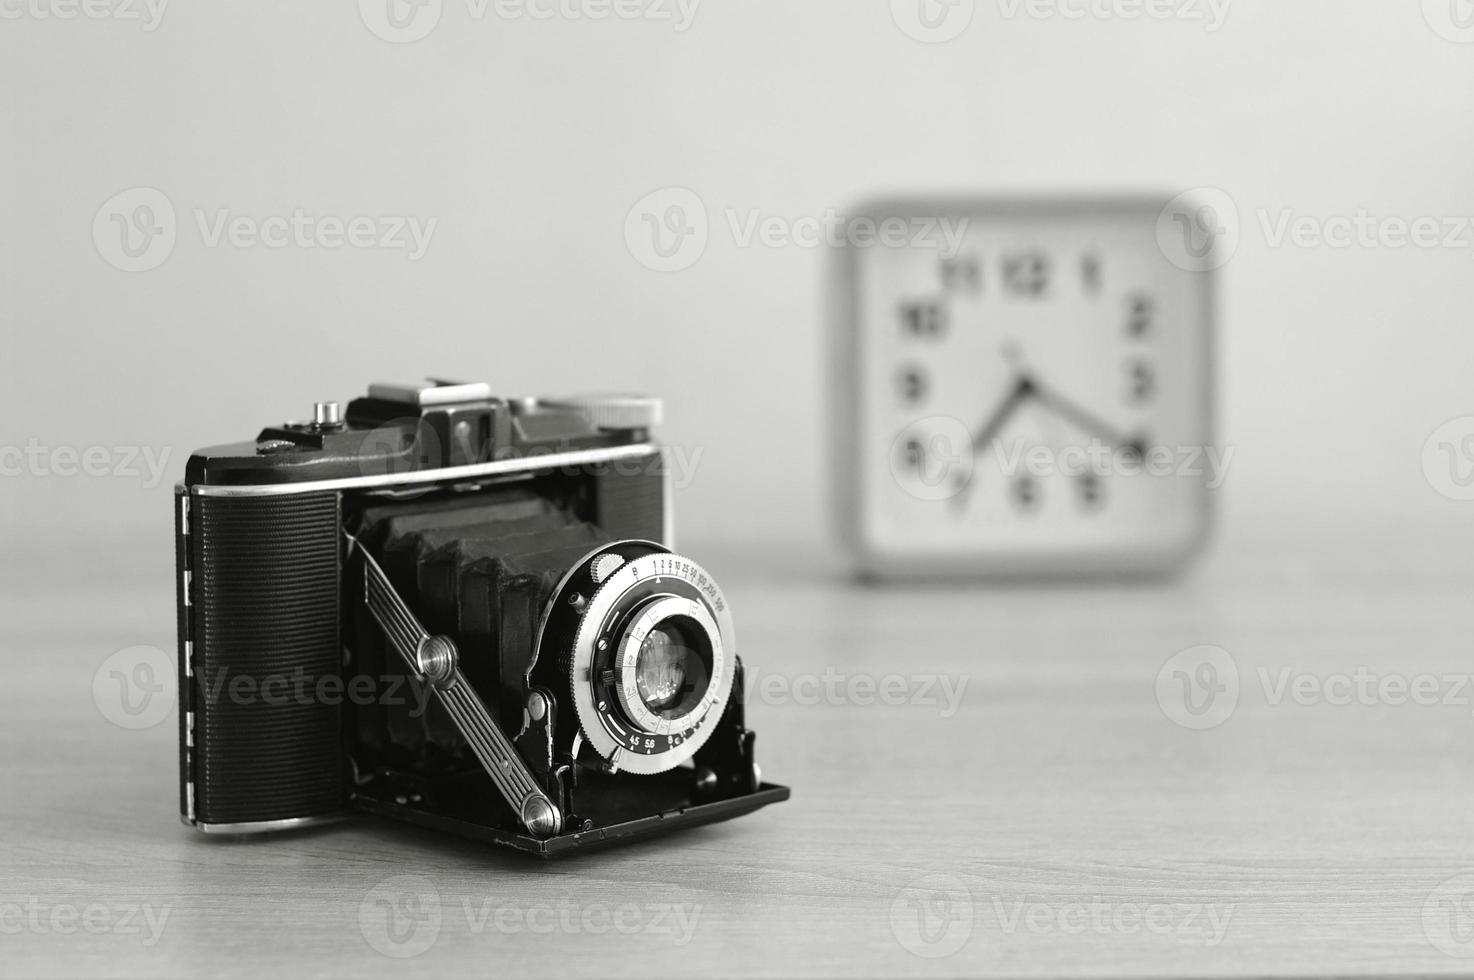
(459, 611)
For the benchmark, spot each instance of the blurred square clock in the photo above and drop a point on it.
(1025, 387)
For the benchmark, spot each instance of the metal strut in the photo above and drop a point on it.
(434, 659)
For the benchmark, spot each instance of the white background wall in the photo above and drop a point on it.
(530, 141)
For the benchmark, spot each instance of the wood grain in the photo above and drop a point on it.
(1088, 834)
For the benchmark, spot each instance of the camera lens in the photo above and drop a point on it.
(673, 665)
(645, 639)
(665, 664)
(660, 669)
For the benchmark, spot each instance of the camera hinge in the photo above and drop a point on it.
(433, 659)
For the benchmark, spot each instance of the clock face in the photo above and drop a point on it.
(1034, 398)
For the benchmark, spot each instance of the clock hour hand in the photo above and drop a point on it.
(1023, 389)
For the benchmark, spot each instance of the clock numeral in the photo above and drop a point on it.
(1141, 314)
(1026, 493)
(1091, 493)
(928, 319)
(914, 455)
(1027, 274)
(913, 385)
(962, 275)
(1142, 383)
(1091, 274)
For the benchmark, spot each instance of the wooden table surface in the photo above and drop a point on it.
(1029, 807)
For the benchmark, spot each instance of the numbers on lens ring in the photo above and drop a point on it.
(927, 320)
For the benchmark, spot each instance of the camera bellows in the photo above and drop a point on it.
(478, 569)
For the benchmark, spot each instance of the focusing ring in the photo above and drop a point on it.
(626, 687)
(649, 575)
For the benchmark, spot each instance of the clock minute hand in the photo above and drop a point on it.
(1092, 425)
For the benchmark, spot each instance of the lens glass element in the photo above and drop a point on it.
(660, 671)
(671, 669)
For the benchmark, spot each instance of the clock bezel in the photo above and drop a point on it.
(871, 560)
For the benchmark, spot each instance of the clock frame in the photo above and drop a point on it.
(1162, 547)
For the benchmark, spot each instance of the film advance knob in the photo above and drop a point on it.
(614, 412)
